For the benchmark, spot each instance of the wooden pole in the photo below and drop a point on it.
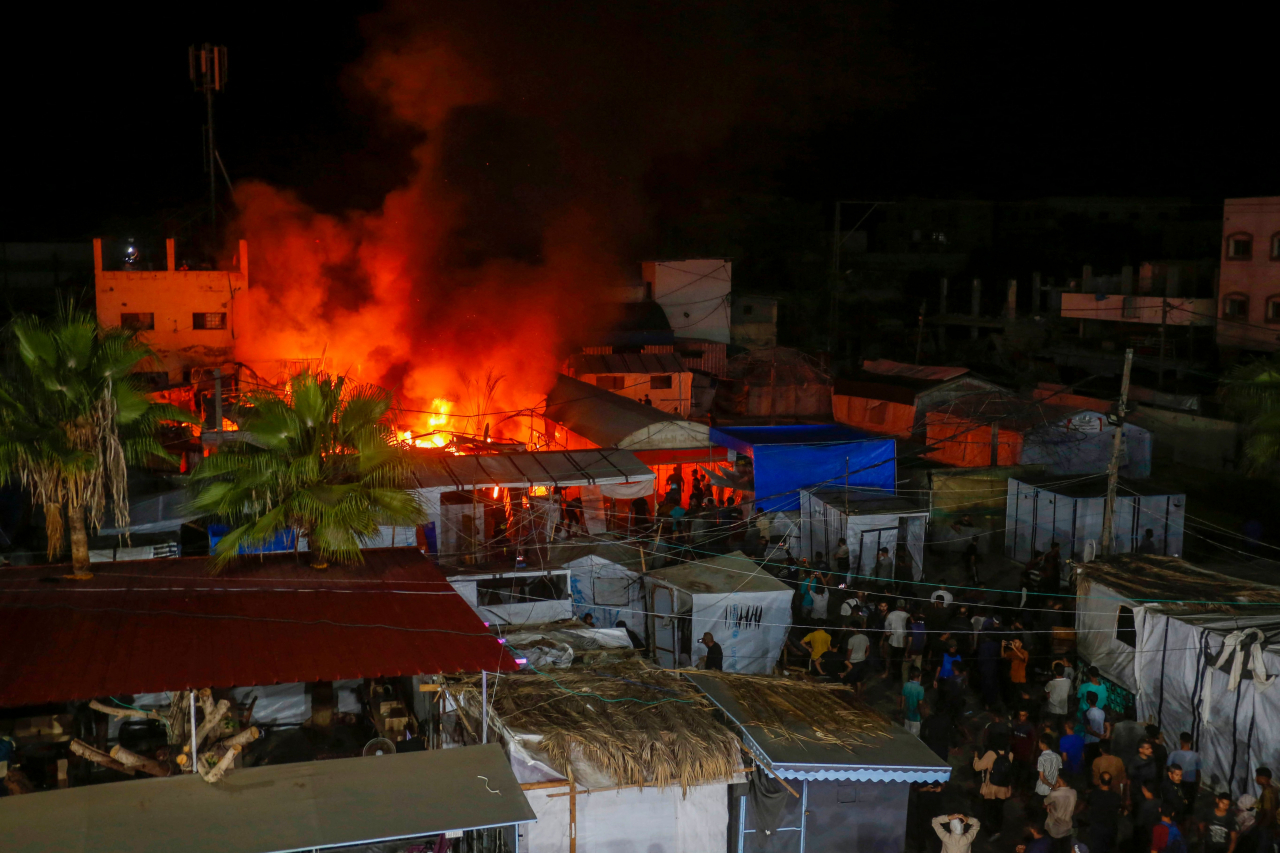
(1113, 468)
(147, 765)
(767, 769)
(1164, 317)
(573, 818)
(97, 756)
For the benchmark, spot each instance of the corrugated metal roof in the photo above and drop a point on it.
(150, 626)
(538, 468)
(310, 805)
(896, 757)
(628, 362)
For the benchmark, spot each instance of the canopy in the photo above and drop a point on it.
(611, 420)
(287, 807)
(445, 472)
(789, 458)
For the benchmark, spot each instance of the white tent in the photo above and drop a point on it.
(1041, 511)
(867, 520)
(1154, 639)
(504, 596)
(607, 582)
(746, 609)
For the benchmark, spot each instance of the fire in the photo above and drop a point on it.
(440, 427)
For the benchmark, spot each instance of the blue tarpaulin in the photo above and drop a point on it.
(789, 458)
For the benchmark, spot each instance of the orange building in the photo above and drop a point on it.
(186, 316)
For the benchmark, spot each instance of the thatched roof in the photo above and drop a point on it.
(787, 709)
(637, 725)
(1172, 584)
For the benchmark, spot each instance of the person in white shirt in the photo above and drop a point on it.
(855, 666)
(941, 594)
(895, 624)
(851, 610)
(1047, 766)
(1058, 692)
(821, 600)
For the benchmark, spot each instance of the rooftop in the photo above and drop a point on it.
(1174, 585)
(287, 807)
(652, 362)
(151, 626)
(433, 470)
(607, 419)
(727, 573)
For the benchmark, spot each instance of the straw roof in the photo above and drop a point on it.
(793, 710)
(638, 725)
(1172, 584)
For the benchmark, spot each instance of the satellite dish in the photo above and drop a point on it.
(379, 746)
(1090, 550)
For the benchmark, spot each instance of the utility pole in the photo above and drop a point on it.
(1164, 317)
(207, 65)
(920, 333)
(1113, 468)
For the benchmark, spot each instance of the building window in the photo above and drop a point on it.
(209, 320)
(138, 322)
(1240, 247)
(1235, 306)
(1126, 629)
(748, 310)
(660, 383)
(1275, 246)
(1273, 309)
(610, 383)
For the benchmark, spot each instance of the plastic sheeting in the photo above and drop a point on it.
(1174, 666)
(1097, 615)
(789, 458)
(824, 522)
(278, 704)
(633, 820)
(609, 592)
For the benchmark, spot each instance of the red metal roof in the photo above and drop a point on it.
(148, 626)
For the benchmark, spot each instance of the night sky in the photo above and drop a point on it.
(627, 104)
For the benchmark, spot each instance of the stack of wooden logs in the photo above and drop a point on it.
(218, 739)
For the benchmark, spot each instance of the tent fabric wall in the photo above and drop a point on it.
(1037, 516)
(877, 416)
(1097, 612)
(966, 443)
(643, 820)
(609, 592)
(1174, 667)
(750, 627)
(823, 522)
(1069, 451)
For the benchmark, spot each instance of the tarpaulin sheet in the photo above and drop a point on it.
(789, 458)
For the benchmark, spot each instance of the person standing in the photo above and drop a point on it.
(951, 829)
(996, 767)
(884, 566)
(1171, 792)
(917, 637)
(1060, 808)
(818, 642)
(1023, 742)
(1095, 721)
(1057, 694)
(896, 625)
(1040, 842)
(1219, 828)
(807, 583)
(938, 731)
(855, 661)
(909, 701)
(821, 600)
(1017, 657)
(1189, 760)
(1103, 807)
(842, 560)
(1092, 684)
(1146, 814)
(1071, 745)
(1048, 766)
(1052, 569)
(1268, 802)
(715, 654)
(1165, 835)
(1142, 771)
(1107, 764)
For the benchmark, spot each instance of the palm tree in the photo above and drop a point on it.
(322, 461)
(1252, 393)
(71, 417)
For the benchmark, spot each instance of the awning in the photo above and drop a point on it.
(151, 626)
(522, 470)
(314, 805)
(896, 757)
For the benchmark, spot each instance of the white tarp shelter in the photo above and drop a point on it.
(529, 596)
(868, 520)
(607, 582)
(1041, 511)
(1157, 639)
(745, 608)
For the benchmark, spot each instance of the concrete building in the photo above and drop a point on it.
(186, 316)
(693, 293)
(1249, 284)
(754, 321)
(660, 377)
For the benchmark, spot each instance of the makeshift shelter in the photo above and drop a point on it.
(559, 645)
(171, 627)
(607, 582)
(503, 595)
(466, 793)
(867, 520)
(847, 771)
(892, 399)
(662, 377)
(1197, 650)
(466, 505)
(582, 416)
(651, 775)
(774, 383)
(1001, 429)
(788, 458)
(745, 608)
(969, 505)
(1043, 510)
